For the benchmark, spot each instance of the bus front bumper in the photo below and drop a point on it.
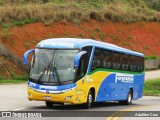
(66, 97)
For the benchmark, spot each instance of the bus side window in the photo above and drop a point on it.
(135, 61)
(125, 63)
(131, 63)
(97, 59)
(137, 64)
(140, 64)
(116, 61)
(107, 57)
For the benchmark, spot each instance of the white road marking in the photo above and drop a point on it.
(18, 109)
(25, 108)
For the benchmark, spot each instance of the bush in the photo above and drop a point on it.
(156, 6)
(23, 22)
(153, 4)
(151, 57)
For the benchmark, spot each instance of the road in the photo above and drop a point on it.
(152, 74)
(14, 98)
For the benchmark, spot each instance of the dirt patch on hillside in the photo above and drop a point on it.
(142, 37)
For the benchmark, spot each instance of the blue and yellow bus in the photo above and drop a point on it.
(84, 71)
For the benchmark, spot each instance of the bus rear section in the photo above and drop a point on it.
(119, 76)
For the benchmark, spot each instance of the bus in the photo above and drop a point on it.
(84, 71)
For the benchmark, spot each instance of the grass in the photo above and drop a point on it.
(26, 45)
(126, 43)
(146, 47)
(93, 36)
(5, 33)
(97, 30)
(65, 34)
(151, 57)
(102, 36)
(152, 87)
(12, 81)
(20, 12)
(23, 22)
(81, 35)
(114, 37)
(129, 37)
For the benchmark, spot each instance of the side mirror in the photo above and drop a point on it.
(25, 57)
(77, 58)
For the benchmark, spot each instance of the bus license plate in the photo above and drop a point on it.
(47, 97)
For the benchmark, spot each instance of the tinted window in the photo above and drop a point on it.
(136, 63)
(84, 61)
(116, 60)
(97, 59)
(125, 62)
(108, 59)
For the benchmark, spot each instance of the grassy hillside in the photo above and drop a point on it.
(20, 12)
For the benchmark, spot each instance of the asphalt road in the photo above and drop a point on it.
(152, 74)
(14, 98)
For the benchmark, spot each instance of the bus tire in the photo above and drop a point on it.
(89, 102)
(129, 99)
(62, 104)
(49, 104)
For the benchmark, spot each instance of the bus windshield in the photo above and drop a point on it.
(53, 66)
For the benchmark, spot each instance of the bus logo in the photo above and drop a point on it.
(123, 78)
(57, 44)
(47, 87)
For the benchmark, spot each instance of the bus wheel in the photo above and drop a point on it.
(49, 104)
(89, 102)
(129, 99)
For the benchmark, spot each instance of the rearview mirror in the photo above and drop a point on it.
(25, 57)
(77, 58)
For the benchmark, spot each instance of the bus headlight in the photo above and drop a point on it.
(68, 98)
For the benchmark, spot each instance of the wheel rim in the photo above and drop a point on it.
(90, 99)
(129, 98)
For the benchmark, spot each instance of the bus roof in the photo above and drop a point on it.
(77, 43)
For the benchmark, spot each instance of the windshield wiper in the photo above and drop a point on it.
(55, 69)
(45, 68)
